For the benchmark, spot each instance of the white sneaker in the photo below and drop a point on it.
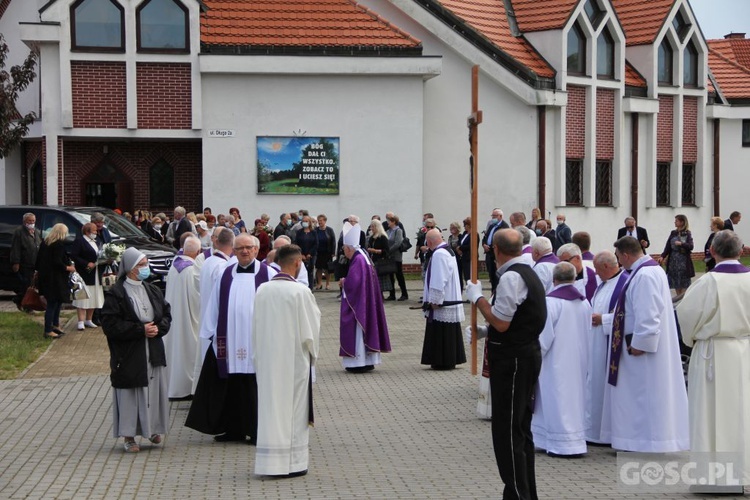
(80, 325)
(89, 324)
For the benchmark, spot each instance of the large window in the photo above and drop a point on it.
(681, 25)
(97, 25)
(161, 184)
(603, 183)
(746, 133)
(688, 184)
(605, 55)
(574, 182)
(162, 26)
(662, 184)
(690, 66)
(666, 60)
(576, 50)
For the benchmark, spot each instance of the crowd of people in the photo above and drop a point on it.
(580, 348)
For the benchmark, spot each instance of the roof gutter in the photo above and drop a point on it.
(486, 46)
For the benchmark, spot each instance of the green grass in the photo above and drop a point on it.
(21, 343)
(290, 186)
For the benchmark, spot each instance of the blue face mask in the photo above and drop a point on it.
(305, 224)
(538, 232)
(144, 273)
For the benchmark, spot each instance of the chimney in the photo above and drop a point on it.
(734, 36)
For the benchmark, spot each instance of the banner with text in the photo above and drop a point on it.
(298, 165)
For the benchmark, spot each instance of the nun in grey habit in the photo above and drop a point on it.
(135, 317)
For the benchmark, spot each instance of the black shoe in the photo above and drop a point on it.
(357, 369)
(557, 455)
(297, 474)
(228, 438)
(390, 297)
(403, 298)
(368, 368)
(58, 331)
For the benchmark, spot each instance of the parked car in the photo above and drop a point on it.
(122, 230)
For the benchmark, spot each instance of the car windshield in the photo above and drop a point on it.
(119, 227)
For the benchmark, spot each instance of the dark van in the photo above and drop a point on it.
(122, 230)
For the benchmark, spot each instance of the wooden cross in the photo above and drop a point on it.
(475, 118)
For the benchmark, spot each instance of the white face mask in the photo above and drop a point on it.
(560, 221)
(30, 226)
(157, 226)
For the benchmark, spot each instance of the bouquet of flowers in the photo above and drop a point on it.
(112, 252)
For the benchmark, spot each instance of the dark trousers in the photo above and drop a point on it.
(401, 281)
(512, 383)
(492, 271)
(25, 276)
(52, 315)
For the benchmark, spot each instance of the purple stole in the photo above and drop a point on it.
(618, 288)
(567, 292)
(587, 256)
(618, 323)
(550, 257)
(428, 275)
(590, 283)
(528, 249)
(261, 276)
(207, 253)
(181, 264)
(730, 269)
(282, 277)
(220, 255)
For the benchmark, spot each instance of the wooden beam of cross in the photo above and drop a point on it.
(475, 118)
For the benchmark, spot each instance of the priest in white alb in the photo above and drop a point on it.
(586, 278)
(714, 319)
(225, 400)
(285, 337)
(648, 399)
(559, 422)
(544, 260)
(183, 295)
(597, 390)
(223, 241)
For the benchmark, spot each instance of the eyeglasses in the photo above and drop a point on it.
(571, 258)
(242, 249)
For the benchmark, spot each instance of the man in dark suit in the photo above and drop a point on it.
(23, 249)
(734, 218)
(637, 232)
(497, 216)
(181, 226)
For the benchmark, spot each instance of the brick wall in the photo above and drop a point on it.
(99, 94)
(665, 129)
(164, 96)
(575, 123)
(690, 130)
(133, 160)
(605, 124)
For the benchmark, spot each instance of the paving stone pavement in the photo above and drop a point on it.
(401, 431)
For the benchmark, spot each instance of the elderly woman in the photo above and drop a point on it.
(85, 252)
(716, 225)
(54, 267)
(135, 317)
(238, 222)
(677, 253)
(259, 231)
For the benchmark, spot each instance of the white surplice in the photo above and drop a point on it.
(559, 423)
(210, 272)
(714, 320)
(444, 286)
(286, 339)
(597, 388)
(181, 345)
(649, 403)
(544, 271)
(239, 318)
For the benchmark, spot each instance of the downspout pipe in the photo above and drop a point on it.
(635, 133)
(542, 167)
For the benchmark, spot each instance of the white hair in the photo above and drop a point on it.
(353, 218)
(191, 245)
(542, 245)
(282, 241)
(569, 248)
(180, 210)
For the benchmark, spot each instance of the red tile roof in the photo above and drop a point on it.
(734, 49)
(298, 23)
(540, 15)
(733, 79)
(642, 19)
(489, 18)
(632, 77)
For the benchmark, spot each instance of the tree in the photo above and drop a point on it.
(13, 126)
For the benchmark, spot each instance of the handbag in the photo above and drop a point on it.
(33, 301)
(331, 266)
(405, 244)
(384, 267)
(78, 290)
(109, 278)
